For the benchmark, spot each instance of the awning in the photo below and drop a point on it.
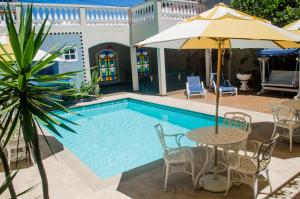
(277, 52)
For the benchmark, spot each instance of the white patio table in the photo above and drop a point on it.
(226, 136)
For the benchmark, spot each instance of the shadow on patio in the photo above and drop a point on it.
(290, 189)
(46, 152)
(147, 181)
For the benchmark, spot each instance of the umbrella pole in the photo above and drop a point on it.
(217, 97)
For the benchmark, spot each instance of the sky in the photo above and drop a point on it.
(90, 2)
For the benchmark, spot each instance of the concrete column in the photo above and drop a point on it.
(208, 63)
(161, 67)
(134, 71)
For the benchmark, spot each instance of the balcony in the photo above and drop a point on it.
(74, 15)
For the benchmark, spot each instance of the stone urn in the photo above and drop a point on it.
(244, 78)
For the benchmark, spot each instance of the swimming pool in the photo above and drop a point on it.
(114, 137)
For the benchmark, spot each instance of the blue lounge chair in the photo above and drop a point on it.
(225, 86)
(195, 87)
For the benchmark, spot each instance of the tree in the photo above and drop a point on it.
(279, 12)
(24, 102)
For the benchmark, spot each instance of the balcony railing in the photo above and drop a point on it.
(143, 13)
(73, 15)
(107, 16)
(176, 9)
(58, 15)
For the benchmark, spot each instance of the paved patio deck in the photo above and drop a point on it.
(244, 100)
(71, 179)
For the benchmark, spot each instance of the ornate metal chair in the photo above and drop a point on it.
(237, 120)
(249, 168)
(286, 118)
(175, 159)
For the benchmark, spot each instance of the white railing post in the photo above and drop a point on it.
(161, 65)
(82, 16)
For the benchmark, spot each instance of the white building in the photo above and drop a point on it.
(104, 36)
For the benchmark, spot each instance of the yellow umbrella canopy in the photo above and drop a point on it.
(222, 27)
(293, 27)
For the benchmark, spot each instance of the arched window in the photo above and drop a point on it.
(108, 65)
(70, 54)
(143, 62)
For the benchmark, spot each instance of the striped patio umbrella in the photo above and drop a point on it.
(222, 27)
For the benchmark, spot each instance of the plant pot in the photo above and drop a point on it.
(244, 78)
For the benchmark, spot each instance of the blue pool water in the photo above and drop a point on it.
(118, 136)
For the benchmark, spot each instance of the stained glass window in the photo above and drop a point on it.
(108, 65)
(143, 62)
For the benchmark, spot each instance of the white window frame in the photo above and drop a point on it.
(70, 60)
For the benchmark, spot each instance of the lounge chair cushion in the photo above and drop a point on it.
(228, 89)
(195, 85)
(196, 89)
(194, 80)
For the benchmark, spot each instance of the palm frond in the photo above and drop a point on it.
(15, 44)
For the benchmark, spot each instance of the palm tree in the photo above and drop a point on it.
(24, 101)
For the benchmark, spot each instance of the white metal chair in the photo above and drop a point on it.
(287, 119)
(250, 168)
(175, 159)
(237, 120)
